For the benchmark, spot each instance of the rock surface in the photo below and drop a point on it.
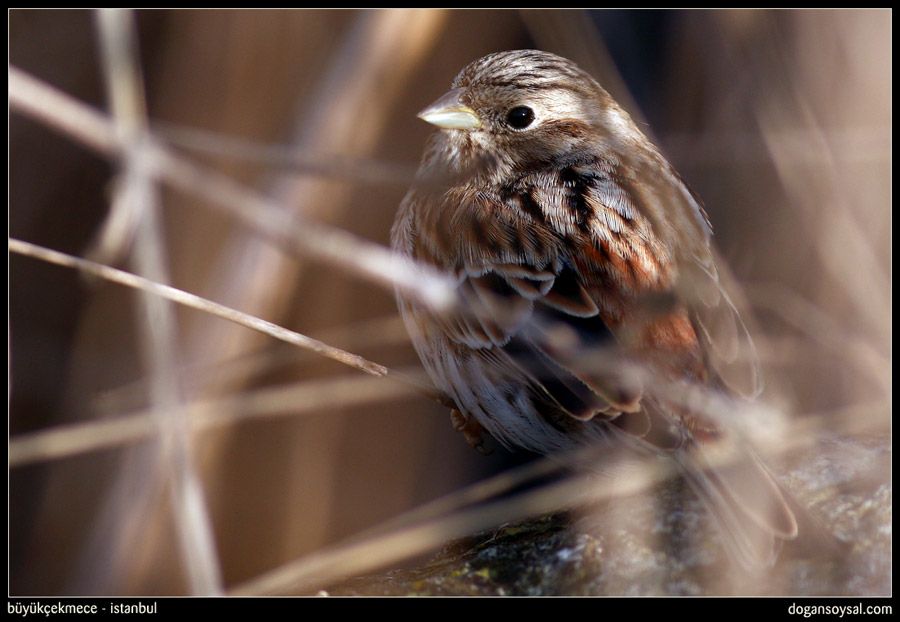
(664, 543)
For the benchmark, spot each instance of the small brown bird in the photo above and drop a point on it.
(587, 284)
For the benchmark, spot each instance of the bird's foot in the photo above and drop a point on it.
(471, 431)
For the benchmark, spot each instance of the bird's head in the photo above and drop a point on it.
(519, 109)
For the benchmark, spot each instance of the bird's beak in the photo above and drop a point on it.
(450, 113)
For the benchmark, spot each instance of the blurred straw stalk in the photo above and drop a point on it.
(781, 120)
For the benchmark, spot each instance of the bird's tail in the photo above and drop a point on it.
(752, 511)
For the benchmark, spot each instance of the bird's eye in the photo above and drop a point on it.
(520, 117)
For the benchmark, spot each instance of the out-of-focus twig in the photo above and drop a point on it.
(415, 536)
(293, 400)
(383, 331)
(730, 413)
(346, 111)
(483, 490)
(815, 323)
(57, 443)
(135, 214)
(329, 565)
(288, 158)
(296, 234)
(741, 416)
(202, 304)
(52, 107)
(862, 144)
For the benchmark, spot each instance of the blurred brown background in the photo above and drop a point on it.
(780, 120)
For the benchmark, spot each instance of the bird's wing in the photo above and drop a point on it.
(528, 320)
(677, 217)
(729, 350)
(566, 272)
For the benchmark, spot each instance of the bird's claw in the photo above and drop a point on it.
(471, 431)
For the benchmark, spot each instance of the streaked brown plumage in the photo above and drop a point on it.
(581, 255)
